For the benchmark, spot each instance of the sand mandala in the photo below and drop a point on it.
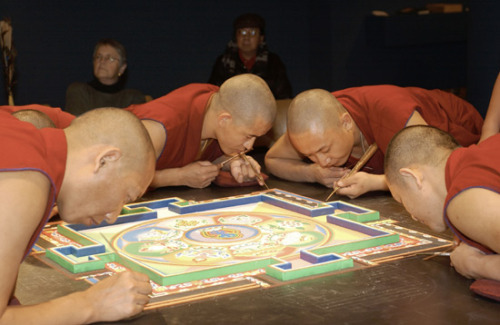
(220, 238)
(194, 249)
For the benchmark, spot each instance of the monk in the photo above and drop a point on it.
(443, 185)
(39, 119)
(327, 133)
(103, 160)
(197, 126)
(58, 118)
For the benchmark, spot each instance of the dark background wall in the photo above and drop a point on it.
(328, 44)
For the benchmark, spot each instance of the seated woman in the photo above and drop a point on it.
(247, 53)
(107, 89)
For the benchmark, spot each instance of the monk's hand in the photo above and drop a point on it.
(465, 258)
(360, 183)
(354, 185)
(119, 296)
(242, 171)
(199, 174)
(328, 176)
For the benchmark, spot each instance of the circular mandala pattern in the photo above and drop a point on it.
(221, 234)
(217, 238)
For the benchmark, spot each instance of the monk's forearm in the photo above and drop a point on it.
(377, 183)
(491, 124)
(168, 177)
(485, 266)
(291, 169)
(491, 127)
(71, 309)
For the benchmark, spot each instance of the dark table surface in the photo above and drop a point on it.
(405, 291)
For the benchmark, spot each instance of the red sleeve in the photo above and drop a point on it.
(181, 112)
(379, 111)
(25, 148)
(451, 114)
(472, 167)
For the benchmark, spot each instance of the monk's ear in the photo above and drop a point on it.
(412, 176)
(224, 118)
(345, 120)
(107, 157)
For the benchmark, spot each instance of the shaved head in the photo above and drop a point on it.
(110, 162)
(417, 145)
(114, 127)
(314, 109)
(39, 119)
(246, 97)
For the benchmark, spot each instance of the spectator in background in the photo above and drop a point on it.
(107, 89)
(247, 53)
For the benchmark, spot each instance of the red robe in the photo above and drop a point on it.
(60, 118)
(381, 111)
(25, 148)
(475, 166)
(181, 113)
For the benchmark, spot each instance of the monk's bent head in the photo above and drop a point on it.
(110, 162)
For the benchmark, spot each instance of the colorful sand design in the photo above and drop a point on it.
(175, 241)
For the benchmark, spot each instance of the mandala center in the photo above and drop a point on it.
(222, 234)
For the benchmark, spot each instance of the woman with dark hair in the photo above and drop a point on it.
(247, 53)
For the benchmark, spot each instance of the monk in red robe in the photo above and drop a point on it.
(328, 132)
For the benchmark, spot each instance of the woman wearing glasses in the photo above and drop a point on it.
(107, 89)
(247, 53)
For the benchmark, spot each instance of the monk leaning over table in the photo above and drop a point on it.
(445, 186)
(103, 160)
(197, 126)
(333, 130)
